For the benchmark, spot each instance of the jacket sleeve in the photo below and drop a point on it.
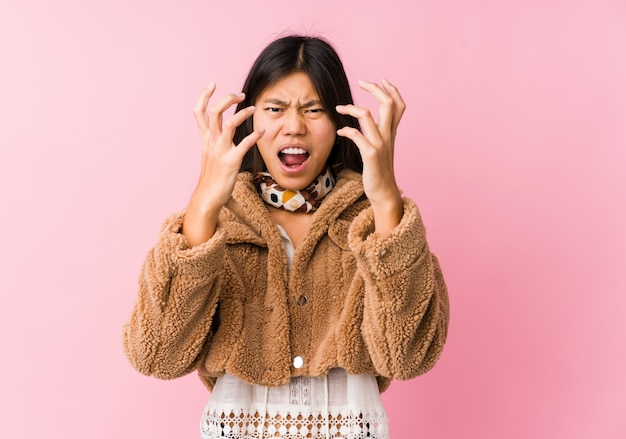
(171, 320)
(406, 309)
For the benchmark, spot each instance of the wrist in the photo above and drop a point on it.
(200, 223)
(388, 212)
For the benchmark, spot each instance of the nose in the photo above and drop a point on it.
(294, 124)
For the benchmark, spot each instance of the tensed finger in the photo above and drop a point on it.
(386, 104)
(365, 119)
(399, 103)
(199, 110)
(216, 111)
(237, 119)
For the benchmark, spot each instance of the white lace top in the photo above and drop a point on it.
(337, 405)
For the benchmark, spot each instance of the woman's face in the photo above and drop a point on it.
(299, 134)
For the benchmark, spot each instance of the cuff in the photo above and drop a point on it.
(385, 255)
(174, 249)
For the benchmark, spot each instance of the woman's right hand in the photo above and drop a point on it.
(221, 160)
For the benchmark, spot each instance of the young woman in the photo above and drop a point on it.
(298, 281)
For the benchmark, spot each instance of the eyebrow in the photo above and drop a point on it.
(286, 104)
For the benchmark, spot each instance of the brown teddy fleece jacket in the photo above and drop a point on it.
(352, 298)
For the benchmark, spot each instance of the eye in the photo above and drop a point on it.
(273, 109)
(315, 113)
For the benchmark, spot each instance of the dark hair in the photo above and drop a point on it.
(320, 62)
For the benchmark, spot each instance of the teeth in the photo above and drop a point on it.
(293, 151)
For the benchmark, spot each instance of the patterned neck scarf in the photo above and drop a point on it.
(305, 200)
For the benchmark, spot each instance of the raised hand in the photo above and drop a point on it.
(376, 145)
(221, 160)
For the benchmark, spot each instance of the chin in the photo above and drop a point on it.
(292, 179)
(293, 183)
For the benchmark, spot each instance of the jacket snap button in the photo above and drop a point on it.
(298, 362)
(302, 300)
(383, 252)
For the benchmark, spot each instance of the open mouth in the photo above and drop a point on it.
(293, 157)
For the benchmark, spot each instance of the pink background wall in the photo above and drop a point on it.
(514, 145)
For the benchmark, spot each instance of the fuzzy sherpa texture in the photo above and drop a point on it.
(375, 304)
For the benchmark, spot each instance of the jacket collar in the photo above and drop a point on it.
(247, 219)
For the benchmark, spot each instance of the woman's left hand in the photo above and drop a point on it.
(376, 144)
